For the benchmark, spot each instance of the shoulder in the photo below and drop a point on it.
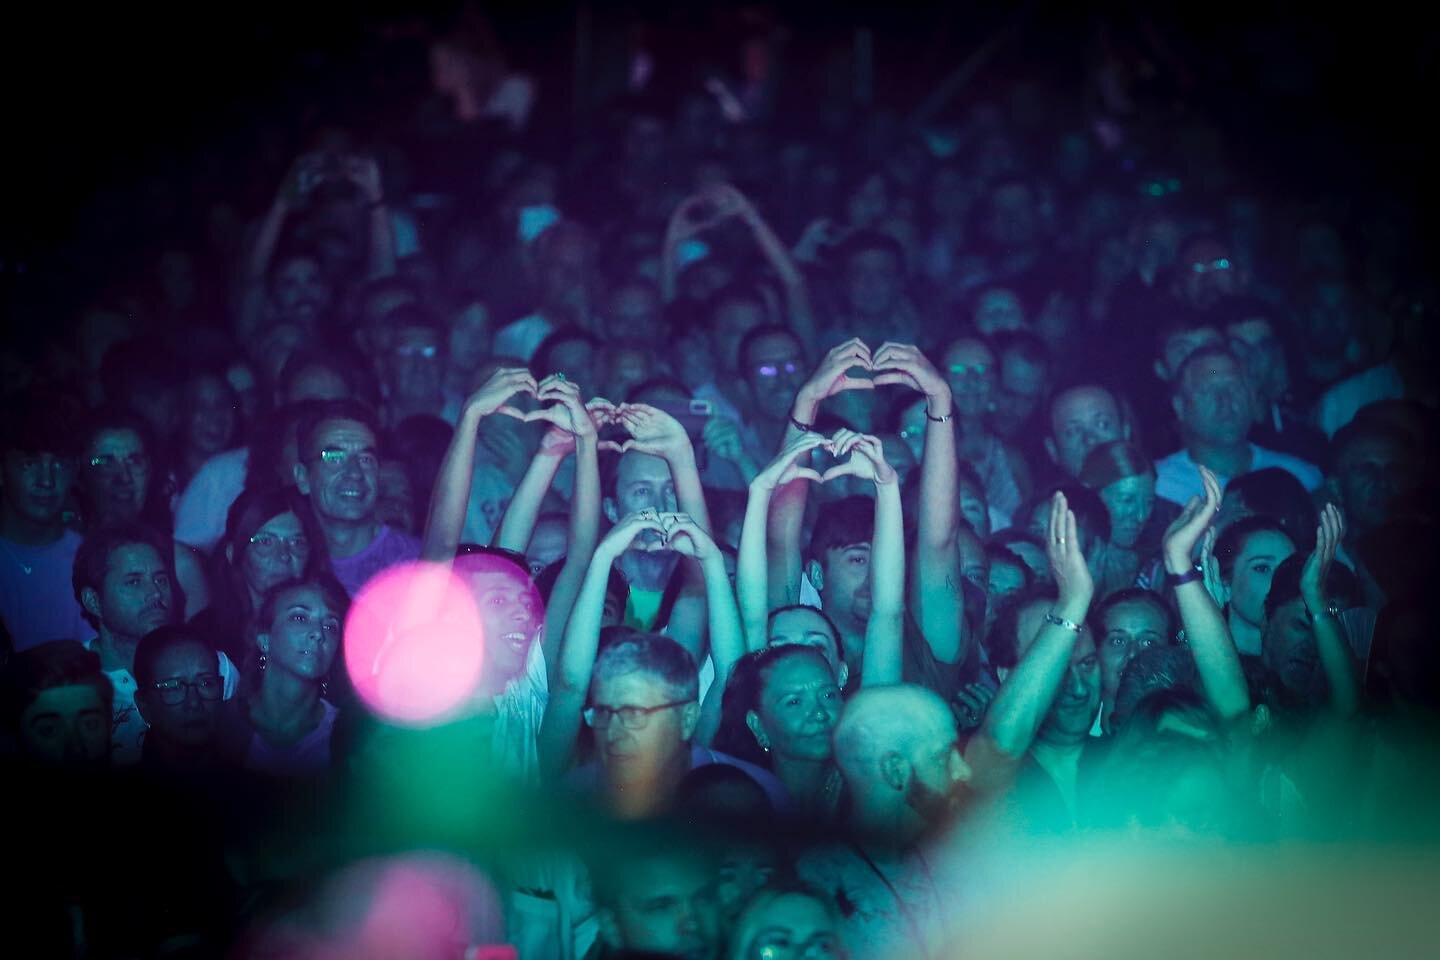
(1304, 471)
(399, 545)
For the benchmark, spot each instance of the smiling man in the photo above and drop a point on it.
(339, 470)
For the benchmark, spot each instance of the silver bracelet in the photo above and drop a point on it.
(1062, 622)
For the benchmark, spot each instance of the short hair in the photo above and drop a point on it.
(304, 359)
(1024, 344)
(842, 523)
(472, 559)
(1137, 595)
(1230, 543)
(41, 422)
(1153, 669)
(864, 241)
(692, 793)
(1340, 584)
(1072, 385)
(58, 663)
(543, 362)
(756, 334)
(1003, 641)
(1276, 492)
(995, 553)
(108, 418)
(653, 653)
(1112, 462)
(742, 694)
(157, 642)
(92, 560)
(320, 413)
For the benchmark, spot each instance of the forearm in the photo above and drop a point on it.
(451, 496)
(582, 630)
(382, 241)
(585, 500)
(689, 493)
(727, 640)
(1216, 659)
(1025, 697)
(797, 297)
(751, 568)
(783, 532)
(938, 597)
(885, 628)
(1336, 662)
(518, 523)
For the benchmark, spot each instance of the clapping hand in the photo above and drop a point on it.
(1178, 546)
(1062, 548)
(1328, 536)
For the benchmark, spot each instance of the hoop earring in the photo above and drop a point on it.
(262, 663)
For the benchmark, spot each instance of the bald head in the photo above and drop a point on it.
(885, 720)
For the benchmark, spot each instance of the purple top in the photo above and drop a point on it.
(389, 548)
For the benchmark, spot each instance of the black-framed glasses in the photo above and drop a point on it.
(631, 718)
(173, 692)
(268, 544)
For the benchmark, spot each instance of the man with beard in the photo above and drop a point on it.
(124, 583)
(339, 470)
(1213, 405)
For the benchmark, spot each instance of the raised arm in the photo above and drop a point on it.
(364, 172)
(1216, 659)
(1336, 661)
(655, 432)
(1027, 692)
(936, 595)
(446, 517)
(570, 679)
(801, 317)
(885, 628)
(787, 514)
(751, 567)
(251, 300)
(685, 537)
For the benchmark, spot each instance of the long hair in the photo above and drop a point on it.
(742, 694)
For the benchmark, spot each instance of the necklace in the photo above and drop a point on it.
(29, 569)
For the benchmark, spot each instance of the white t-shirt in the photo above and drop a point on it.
(204, 504)
(1177, 477)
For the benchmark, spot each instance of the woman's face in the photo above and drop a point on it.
(799, 704)
(304, 636)
(790, 925)
(117, 475)
(187, 669)
(209, 415)
(1129, 502)
(277, 552)
(1254, 566)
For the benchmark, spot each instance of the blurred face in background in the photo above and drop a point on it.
(116, 475)
(970, 371)
(874, 284)
(1129, 501)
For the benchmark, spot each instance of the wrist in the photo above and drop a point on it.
(939, 404)
(1178, 565)
(1072, 605)
(805, 407)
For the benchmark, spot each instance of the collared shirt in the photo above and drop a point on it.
(1177, 477)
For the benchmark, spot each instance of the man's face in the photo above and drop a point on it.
(299, 292)
(340, 473)
(1214, 403)
(974, 508)
(1372, 473)
(1022, 388)
(136, 595)
(936, 765)
(846, 590)
(1287, 646)
(1255, 565)
(67, 726)
(1072, 714)
(1129, 502)
(1128, 628)
(643, 482)
(510, 618)
(668, 907)
(193, 721)
(730, 322)
(638, 756)
(874, 284)
(417, 361)
(116, 474)
(774, 370)
(1002, 581)
(999, 310)
(970, 371)
(395, 497)
(1208, 274)
(1081, 420)
(36, 485)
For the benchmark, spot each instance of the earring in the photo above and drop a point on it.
(324, 688)
(262, 663)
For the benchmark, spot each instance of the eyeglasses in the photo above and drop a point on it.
(775, 369)
(1200, 266)
(268, 544)
(114, 466)
(429, 352)
(631, 718)
(778, 946)
(32, 465)
(966, 369)
(335, 459)
(173, 692)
